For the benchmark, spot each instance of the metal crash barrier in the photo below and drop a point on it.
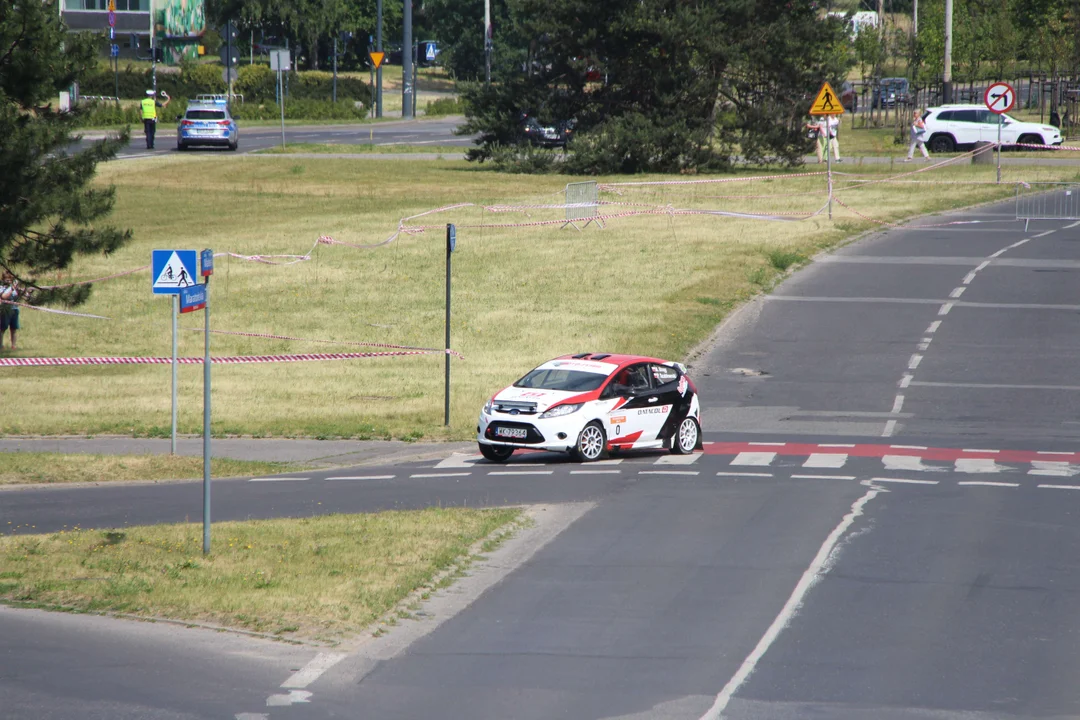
(582, 203)
(1047, 201)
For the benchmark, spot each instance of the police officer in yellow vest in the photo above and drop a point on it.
(149, 107)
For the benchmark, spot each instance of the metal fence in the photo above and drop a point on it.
(582, 203)
(1047, 201)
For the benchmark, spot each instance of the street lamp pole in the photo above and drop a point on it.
(487, 41)
(946, 90)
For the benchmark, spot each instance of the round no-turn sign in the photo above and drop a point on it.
(1000, 97)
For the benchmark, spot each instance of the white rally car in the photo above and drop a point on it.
(590, 403)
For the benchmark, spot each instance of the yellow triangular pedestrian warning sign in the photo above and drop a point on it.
(376, 58)
(827, 102)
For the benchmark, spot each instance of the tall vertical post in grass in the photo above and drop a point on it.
(378, 47)
(175, 312)
(207, 271)
(451, 243)
(828, 166)
(407, 88)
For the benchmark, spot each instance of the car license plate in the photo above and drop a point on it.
(206, 132)
(507, 432)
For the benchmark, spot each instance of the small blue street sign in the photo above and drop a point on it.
(192, 298)
(429, 54)
(171, 270)
(115, 51)
(206, 260)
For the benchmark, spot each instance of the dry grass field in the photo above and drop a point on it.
(654, 284)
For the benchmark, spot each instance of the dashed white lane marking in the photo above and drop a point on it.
(1042, 234)
(989, 483)
(521, 472)
(311, 672)
(771, 444)
(908, 463)
(361, 477)
(924, 345)
(983, 265)
(898, 404)
(278, 479)
(978, 465)
(837, 445)
(979, 450)
(825, 460)
(908, 481)
(679, 459)
(595, 472)
(1060, 487)
(743, 474)
(1053, 468)
(969, 277)
(944, 309)
(614, 462)
(1053, 452)
(933, 327)
(906, 380)
(823, 477)
(458, 460)
(753, 458)
(668, 472)
(890, 427)
(293, 697)
(908, 447)
(1071, 226)
(251, 716)
(957, 292)
(913, 361)
(819, 567)
(437, 475)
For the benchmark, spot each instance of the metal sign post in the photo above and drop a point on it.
(279, 63)
(827, 102)
(172, 270)
(207, 270)
(451, 243)
(999, 98)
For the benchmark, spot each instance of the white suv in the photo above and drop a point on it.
(952, 126)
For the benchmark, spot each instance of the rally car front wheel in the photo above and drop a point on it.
(686, 437)
(590, 443)
(496, 453)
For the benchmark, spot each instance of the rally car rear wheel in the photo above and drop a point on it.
(590, 443)
(686, 437)
(496, 453)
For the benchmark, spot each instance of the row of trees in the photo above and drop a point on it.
(992, 40)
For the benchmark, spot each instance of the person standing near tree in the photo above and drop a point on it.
(9, 314)
(149, 106)
(818, 129)
(832, 130)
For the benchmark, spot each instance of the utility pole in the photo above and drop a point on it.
(407, 89)
(378, 47)
(946, 90)
(153, 53)
(487, 41)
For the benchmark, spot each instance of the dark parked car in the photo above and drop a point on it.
(545, 134)
(891, 92)
(849, 97)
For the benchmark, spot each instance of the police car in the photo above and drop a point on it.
(207, 122)
(591, 403)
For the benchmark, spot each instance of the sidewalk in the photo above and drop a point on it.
(320, 453)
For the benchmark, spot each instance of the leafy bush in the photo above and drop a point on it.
(296, 109)
(445, 106)
(525, 159)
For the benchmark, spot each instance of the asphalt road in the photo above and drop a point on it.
(883, 525)
(434, 131)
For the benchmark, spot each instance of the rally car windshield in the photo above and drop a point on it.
(567, 380)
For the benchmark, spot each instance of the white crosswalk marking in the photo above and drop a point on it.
(978, 465)
(458, 460)
(754, 458)
(825, 460)
(907, 463)
(678, 459)
(1053, 468)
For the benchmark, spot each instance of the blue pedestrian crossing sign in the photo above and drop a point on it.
(171, 270)
(429, 53)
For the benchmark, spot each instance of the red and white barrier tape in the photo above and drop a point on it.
(1041, 147)
(328, 342)
(709, 181)
(327, 240)
(87, 282)
(238, 360)
(51, 311)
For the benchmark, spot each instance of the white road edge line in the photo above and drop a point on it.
(311, 672)
(1060, 487)
(1042, 234)
(277, 479)
(434, 475)
(823, 477)
(818, 569)
(904, 480)
(361, 477)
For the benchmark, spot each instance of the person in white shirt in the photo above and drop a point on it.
(9, 314)
(832, 125)
(918, 136)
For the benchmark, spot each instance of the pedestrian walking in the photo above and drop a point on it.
(918, 136)
(816, 129)
(149, 106)
(9, 314)
(832, 130)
